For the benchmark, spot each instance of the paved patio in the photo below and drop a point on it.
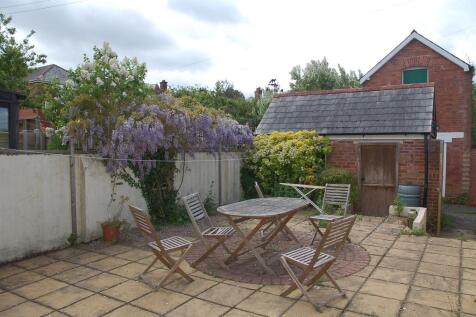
(406, 276)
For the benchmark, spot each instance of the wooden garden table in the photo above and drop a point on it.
(278, 209)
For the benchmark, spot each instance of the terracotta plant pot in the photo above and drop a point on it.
(110, 232)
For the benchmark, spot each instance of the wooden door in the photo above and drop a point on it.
(377, 178)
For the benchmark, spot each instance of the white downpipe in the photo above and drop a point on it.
(445, 150)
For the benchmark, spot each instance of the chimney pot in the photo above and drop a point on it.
(258, 92)
(163, 86)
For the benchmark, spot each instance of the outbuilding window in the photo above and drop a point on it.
(4, 143)
(415, 76)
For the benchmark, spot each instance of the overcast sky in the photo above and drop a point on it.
(196, 42)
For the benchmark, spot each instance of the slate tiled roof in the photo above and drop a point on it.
(390, 110)
(47, 73)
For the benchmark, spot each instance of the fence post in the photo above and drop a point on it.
(219, 176)
(25, 140)
(72, 181)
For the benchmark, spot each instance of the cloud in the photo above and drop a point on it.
(64, 34)
(212, 11)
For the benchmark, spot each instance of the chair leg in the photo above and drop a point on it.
(297, 283)
(175, 268)
(333, 281)
(318, 231)
(207, 253)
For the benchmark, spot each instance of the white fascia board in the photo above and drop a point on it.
(449, 136)
(415, 36)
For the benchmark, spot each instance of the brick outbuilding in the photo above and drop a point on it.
(452, 78)
(410, 123)
(385, 136)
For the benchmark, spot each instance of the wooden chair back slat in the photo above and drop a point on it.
(335, 235)
(145, 225)
(258, 190)
(336, 194)
(196, 212)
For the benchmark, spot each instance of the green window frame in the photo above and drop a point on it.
(415, 76)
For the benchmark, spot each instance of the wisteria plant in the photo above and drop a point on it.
(112, 112)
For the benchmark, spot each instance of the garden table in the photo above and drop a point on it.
(305, 191)
(266, 210)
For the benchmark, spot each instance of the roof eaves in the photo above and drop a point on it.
(416, 36)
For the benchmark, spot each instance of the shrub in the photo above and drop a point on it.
(335, 175)
(291, 157)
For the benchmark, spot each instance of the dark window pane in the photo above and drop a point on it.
(3, 127)
(414, 76)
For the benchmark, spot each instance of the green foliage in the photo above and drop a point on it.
(291, 157)
(158, 189)
(412, 232)
(210, 203)
(336, 175)
(72, 239)
(318, 75)
(100, 88)
(462, 199)
(398, 203)
(224, 99)
(16, 57)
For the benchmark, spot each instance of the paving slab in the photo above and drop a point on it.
(385, 289)
(40, 288)
(129, 310)
(101, 282)
(8, 300)
(161, 301)
(27, 309)
(198, 307)
(265, 304)
(64, 297)
(416, 310)
(392, 275)
(441, 283)
(94, 306)
(374, 305)
(128, 291)
(433, 298)
(225, 294)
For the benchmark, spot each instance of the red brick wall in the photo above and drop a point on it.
(473, 178)
(411, 160)
(344, 155)
(452, 100)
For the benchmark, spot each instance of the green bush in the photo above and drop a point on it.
(283, 157)
(335, 175)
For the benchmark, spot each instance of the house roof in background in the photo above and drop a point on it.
(47, 73)
(402, 109)
(32, 114)
(418, 37)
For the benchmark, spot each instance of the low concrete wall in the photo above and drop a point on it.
(35, 209)
(35, 204)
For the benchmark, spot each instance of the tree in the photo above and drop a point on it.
(224, 98)
(16, 58)
(318, 75)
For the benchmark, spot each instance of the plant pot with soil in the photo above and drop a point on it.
(111, 228)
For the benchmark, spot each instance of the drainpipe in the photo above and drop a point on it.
(425, 186)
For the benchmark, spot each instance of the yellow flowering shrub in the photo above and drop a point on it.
(292, 157)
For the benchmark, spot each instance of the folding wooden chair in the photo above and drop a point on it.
(196, 211)
(336, 195)
(314, 263)
(161, 248)
(286, 231)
